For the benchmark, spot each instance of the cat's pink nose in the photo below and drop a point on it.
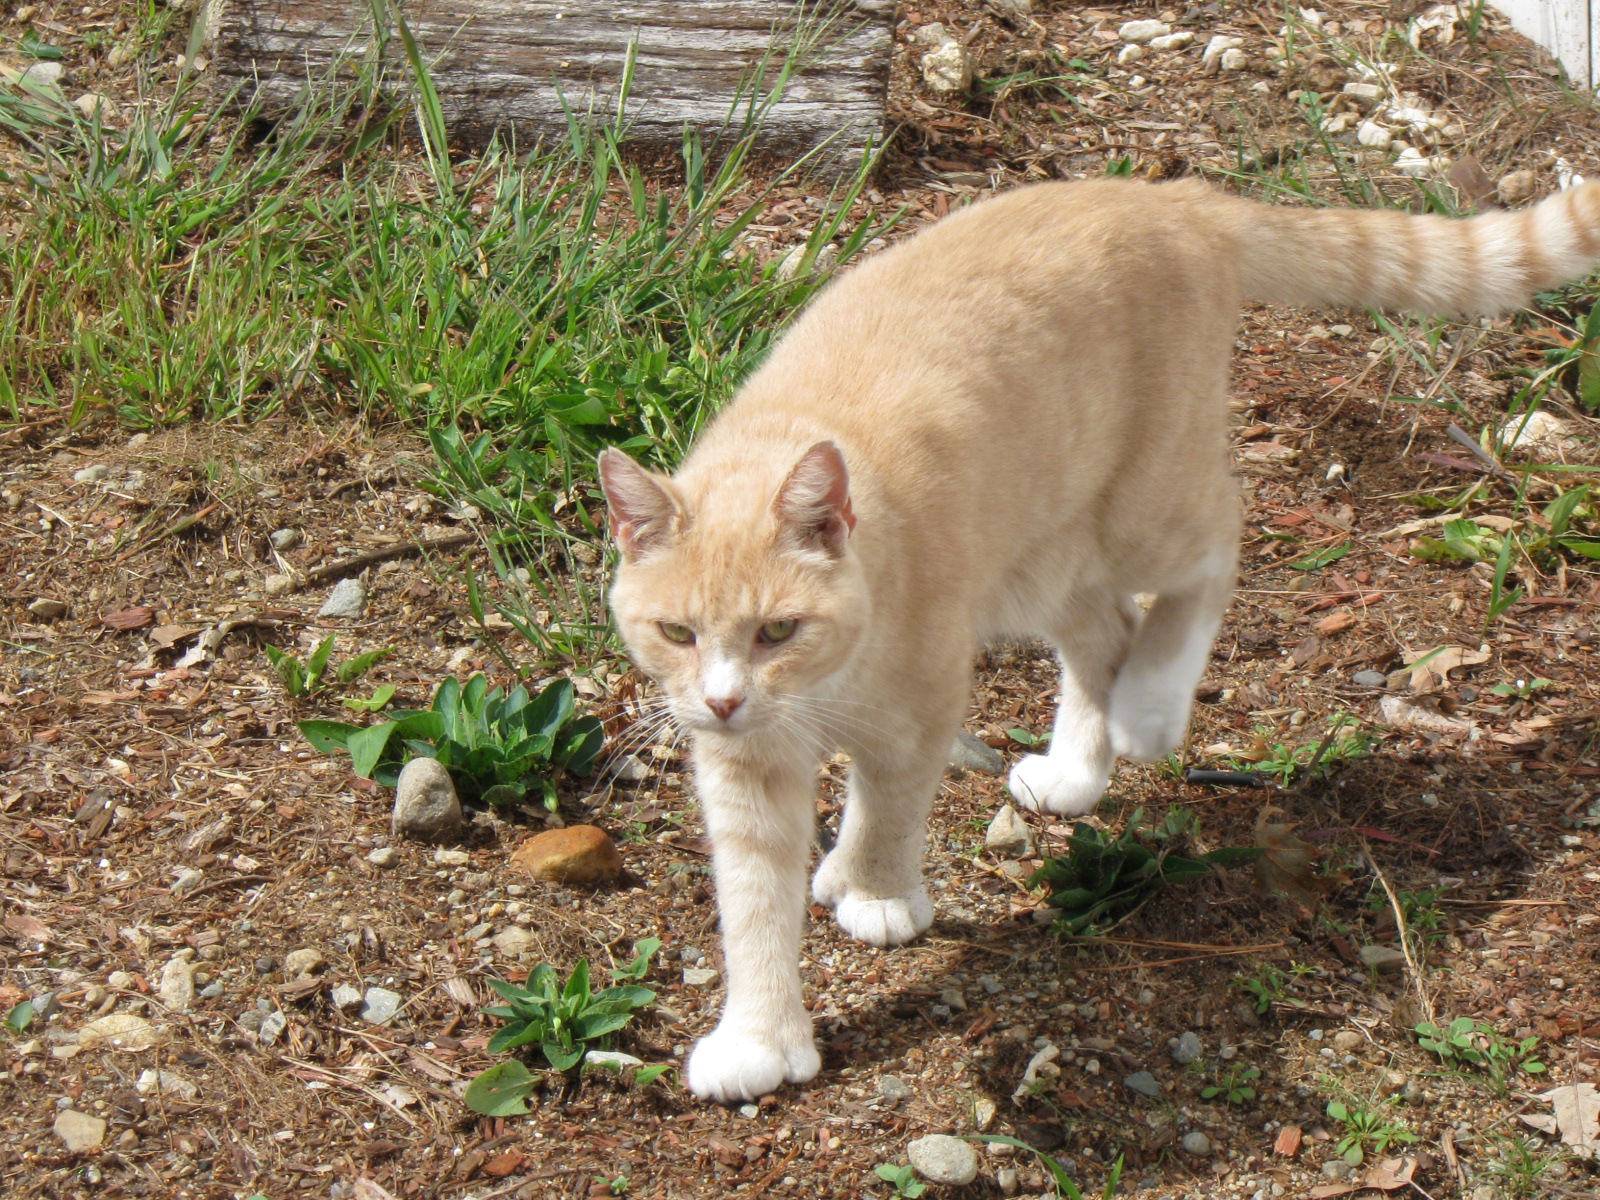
(724, 706)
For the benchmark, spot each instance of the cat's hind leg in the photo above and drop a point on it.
(872, 879)
(1070, 779)
(1151, 698)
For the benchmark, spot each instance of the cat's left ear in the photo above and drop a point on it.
(815, 500)
(644, 512)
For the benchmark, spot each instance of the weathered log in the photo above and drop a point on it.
(504, 66)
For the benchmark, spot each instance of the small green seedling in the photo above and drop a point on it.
(1521, 689)
(1023, 738)
(498, 746)
(1468, 1043)
(308, 678)
(377, 702)
(19, 1018)
(1066, 1189)
(1366, 1132)
(564, 1022)
(1234, 1086)
(903, 1178)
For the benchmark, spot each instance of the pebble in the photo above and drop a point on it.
(1234, 59)
(612, 1059)
(1187, 1049)
(1215, 49)
(1336, 1168)
(577, 854)
(941, 1158)
(90, 474)
(79, 1132)
(277, 584)
(95, 996)
(1172, 41)
(272, 1026)
(303, 962)
(1143, 31)
(984, 1111)
(166, 1083)
(1372, 679)
(45, 1006)
(630, 769)
(126, 1032)
(1006, 1178)
(211, 991)
(251, 1019)
(381, 1006)
(1370, 133)
(948, 68)
(176, 989)
(46, 609)
(1385, 960)
(1516, 187)
(1196, 1143)
(1347, 1040)
(266, 965)
(892, 1087)
(513, 941)
(426, 807)
(1008, 834)
(92, 105)
(348, 599)
(119, 981)
(749, 1111)
(284, 539)
(1144, 1083)
(452, 858)
(970, 753)
(700, 977)
(187, 880)
(344, 996)
(384, 856)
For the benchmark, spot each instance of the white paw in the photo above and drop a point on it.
(731, 1067)
(885, 922)
(1049, 783)
(830, 884)
(1146, 729)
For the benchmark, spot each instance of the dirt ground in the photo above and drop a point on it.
(157, 803)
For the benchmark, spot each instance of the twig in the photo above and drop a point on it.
(1479, 453)
(1405, 933)
(1172, 962)
(360, 562)
(179, 526)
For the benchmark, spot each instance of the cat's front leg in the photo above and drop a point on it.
(760, 818)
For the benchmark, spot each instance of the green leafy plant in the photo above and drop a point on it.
(1023, 738)
(1466, 1042)
(1065, 1188)
(1420, 908)
(563, 1022)
(1521, 689)
(303, 679)
(497, 745)
(19, 1018)
(1520, 1165)
(903, 1178)
(1284, 762)
(1235, 1085)
(1101, 881)
(1366, 1131)
(377, 702)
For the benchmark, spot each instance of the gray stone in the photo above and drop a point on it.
(425, 802)
(700, 977)
(1371, 679)
(284, 539)
(381, 1006)
(1008, 834)
(211, 991)
(277, 584)
(513, 941)
(630, 768)
(348, 599)
(1336, 1168)
(46, 609)
(166, 1083)
(1006, 1178)
(750, 1111)
(1385, 960)
(892, 1087)
(45, 1006)
(969, 753)
(1144, 1083)
(1187, 1049)
(1347, 1040)
(1196, 1143)
(79, 1132)
(97, 472)
(344, 996)
(940, 1158)
(272, 1026)
(176, 990)
(44, 74)
(251, 1019)
(384, 856)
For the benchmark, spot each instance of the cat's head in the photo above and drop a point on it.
(739, 590)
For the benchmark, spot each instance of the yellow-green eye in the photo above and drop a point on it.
(681, 634)
(777, 631)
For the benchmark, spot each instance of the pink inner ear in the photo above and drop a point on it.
(640, 509)
(816, 497)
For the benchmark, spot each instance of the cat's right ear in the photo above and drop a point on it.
(642, 509)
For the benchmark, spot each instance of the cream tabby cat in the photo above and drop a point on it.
(1008, 424)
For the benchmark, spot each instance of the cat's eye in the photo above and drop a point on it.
(777, 631)
(681, 634)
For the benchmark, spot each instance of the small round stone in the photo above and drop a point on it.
(941, 1158)
(1196, 1143)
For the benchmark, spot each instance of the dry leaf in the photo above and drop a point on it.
(1576, 1117)
(1288, 863)
(1472, 182)
(1335, 623)
(166, 637)
(365, 1189)
(29, 929)
(120, 1031)
(1433, 667)
(128, 618)
(1399, 713)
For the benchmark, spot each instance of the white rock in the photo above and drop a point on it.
(513, 941)
(1216, 48)
(425, 803)
(1364, 94)
(277, 584)
(700, 977)
(948, 68)
(1417, 165)
(344, 996)
(307, 961)
(1196, 1143)
(1536, 430)
(381, 1006)
(1041, 1066)
(611, 1060)
(384, 856)
(1008, 834)
(1370, 133)
(1143, 31)
(46, 608)
(941, 1158)
(1338, 122)
(126, 1032)
(92, 105)
(1172, 41)
(166, 1083)
(1129, 54)
(932, 34)
(452, 858)
(43, 74)
(348, 598)
(91, 474)
(1234, 59)
(79, 1132)
(176, 990)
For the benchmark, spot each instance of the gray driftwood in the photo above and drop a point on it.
(504, 65)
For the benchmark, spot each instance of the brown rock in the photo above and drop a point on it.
(577, 854)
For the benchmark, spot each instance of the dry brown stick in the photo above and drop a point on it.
(1405, 934)
(1172, 962)
(360, 562)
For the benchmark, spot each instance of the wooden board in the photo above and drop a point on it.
(504, 65)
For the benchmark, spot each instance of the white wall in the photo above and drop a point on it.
(1569, 29)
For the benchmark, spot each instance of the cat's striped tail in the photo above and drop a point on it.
(1430, 264)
